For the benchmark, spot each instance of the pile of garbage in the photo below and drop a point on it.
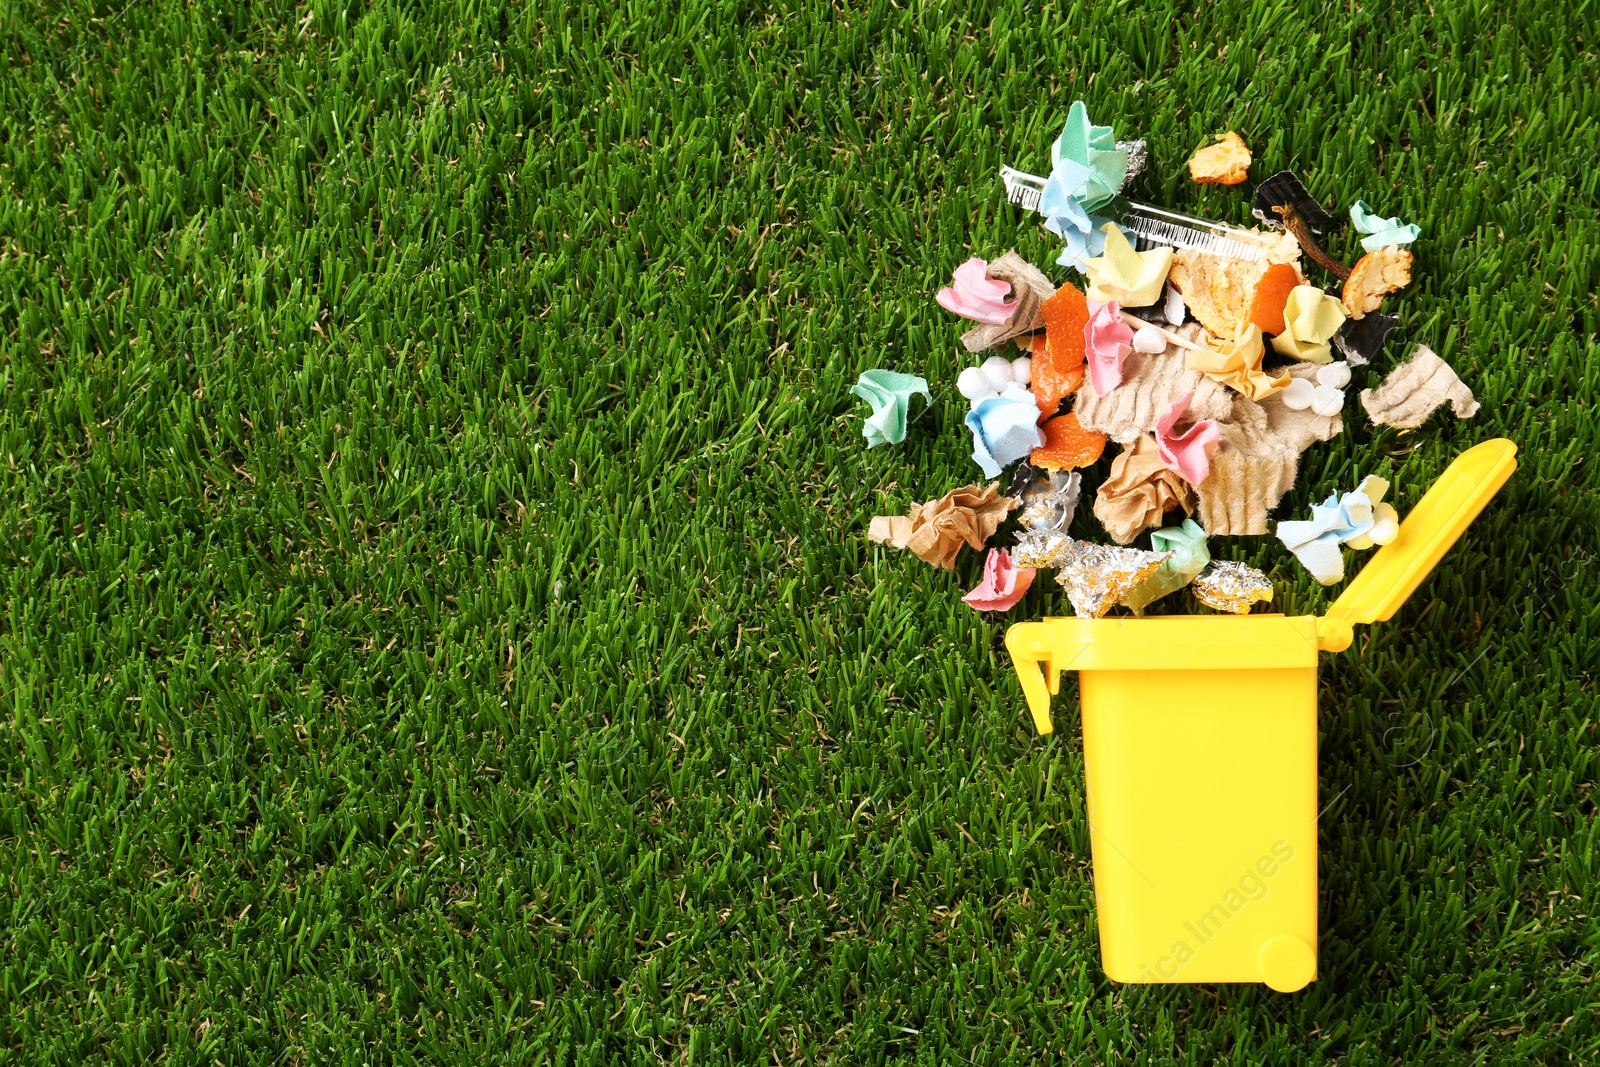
(1203, 350)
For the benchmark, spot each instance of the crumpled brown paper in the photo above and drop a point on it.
(1412, 390)
(1030, 288)
(1138, 491)
(1150, 384)
(935, 531)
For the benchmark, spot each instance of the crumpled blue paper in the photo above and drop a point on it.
(1087, 170)
(890, 394)
(1383, 232)
(1005, 428)
(1337, 519)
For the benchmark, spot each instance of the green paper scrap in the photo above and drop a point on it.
(1187, 543)
(1087, 161)
(1384, 232)
(889, 394)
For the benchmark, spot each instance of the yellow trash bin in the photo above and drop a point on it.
(1200, 756)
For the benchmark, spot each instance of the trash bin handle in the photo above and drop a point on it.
(1032, 654)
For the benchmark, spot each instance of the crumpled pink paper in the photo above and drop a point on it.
(1188, 453)
(1003, 583)
(976, 296)
(1107, 342)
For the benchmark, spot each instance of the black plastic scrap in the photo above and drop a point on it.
(1282, 201)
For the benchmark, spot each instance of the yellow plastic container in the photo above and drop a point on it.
(1200, 756)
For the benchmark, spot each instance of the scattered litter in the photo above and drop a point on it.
(1067, 444)
(1375, 275)
(1232, 587)
(1225, 163)
(935, 531)
(1003, 583)
(1139, 490)
(1359, 519)
(1381, 232)
(1412, 390)
(1325, 396)
(1238, 365)
(1187, 547)
(1188, 453)
(1150, 383)
(976, 296)
(1149, 340)
(1005, 428)
(1098, 577)
(1031, 289)
(1312, 317)
(1163, 349)
(1131, 278)
(890, 395)
(1361, 340)
(1049, 499)
(1107, 343)
(1058, 369)
(1282, 200)
(993, 377)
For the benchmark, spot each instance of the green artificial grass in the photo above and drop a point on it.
(439, 624)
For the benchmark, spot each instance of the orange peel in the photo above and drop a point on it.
(1067, 444)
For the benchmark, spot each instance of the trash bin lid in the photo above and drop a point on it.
(1427, 533)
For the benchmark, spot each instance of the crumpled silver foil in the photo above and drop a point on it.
(1099, 576)
(1232, 587)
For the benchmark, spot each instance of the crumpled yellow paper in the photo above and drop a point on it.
(1239, 365)
(1133, 279)
(1313, 317)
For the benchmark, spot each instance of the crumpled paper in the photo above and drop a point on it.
(1313, 317)
(1238, 366)
(1107, 342)
(1233, 587)
(935, 531)
(1098, 577)
(1086, 163)
(1412, 390)
(1381, 232)
(1186, 545)
(1003, 583)
(1150, 383)
(1005, 428)
(1138, 491)
(1131, 278)
(1031, 289)
(1088, 168)
(1188, 453)
(1359, 519)
(976, 296)
(890, 395)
